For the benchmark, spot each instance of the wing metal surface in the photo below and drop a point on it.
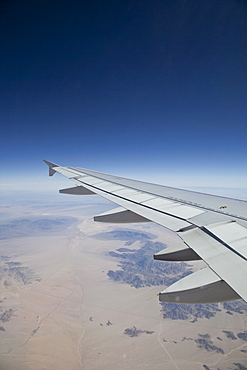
(211, 228)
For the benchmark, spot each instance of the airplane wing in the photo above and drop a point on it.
(211, 228)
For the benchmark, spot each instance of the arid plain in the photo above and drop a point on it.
(60, 309)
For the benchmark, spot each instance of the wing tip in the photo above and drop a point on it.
(51, 166)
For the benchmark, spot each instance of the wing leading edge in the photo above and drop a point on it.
(211, 228)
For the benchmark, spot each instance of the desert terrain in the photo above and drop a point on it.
(74, 294)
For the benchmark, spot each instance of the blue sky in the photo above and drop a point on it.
(155, 90)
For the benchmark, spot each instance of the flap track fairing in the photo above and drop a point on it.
(177, 252)
(120, 216)
(76, 190)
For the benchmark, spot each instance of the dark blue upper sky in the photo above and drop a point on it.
(131, 87)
